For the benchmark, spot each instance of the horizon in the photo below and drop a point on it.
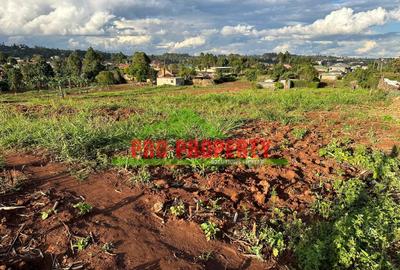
(356, 29)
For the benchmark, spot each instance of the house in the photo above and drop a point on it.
(339, 67)
(175, 81)
(321, 69)
(164, 72)
(203, 80)
(330, 76)
(387, 84)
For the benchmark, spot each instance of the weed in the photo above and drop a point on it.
(81, 243)
(108, 247)
(210, 229)
(299, 133)
(360, 222)
(206, 256)
(142, 177)
(81, 174)
(46, 214)
(84, 208)
(214, 205)
(178, 209)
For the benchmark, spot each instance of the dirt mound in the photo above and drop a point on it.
(43, 110)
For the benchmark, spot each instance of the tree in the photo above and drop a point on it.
(277, 72)
(396, 65)
(14, 77)
(119, 58)
(186, 72)
(73, 65)
(307, 73)
(140, 67)
(3, 58)
(251, 75)
(91, 65)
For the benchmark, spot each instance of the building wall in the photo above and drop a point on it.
(175, 81)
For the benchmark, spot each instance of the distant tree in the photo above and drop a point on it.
(140, 67)
(396, 65)
(277, 72)
(283, 58)
(251, 75)
(365, 78)
(11, 60)
(307, 73)
(222, 61)
(186, 72)
(119, 58)
(58, 66)
(91, 65)
(3, 58)
(14, 77)
(73, 64)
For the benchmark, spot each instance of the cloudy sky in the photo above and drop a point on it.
(346, 27)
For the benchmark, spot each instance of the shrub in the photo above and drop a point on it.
(279, 85)
(105, 78)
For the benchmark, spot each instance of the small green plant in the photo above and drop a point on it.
(214, 205)
(81, 174)
(142, 177)
(84, 208)
(178, 209)
(46, 214)
(108, 247)
(210, 229)
(299, 133)
(81, 243)
(206, 256)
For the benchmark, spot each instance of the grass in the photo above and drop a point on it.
(85, 136)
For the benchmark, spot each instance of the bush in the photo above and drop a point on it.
(105, 78)
(279, 85)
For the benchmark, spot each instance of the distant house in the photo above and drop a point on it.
(321, 69)
(164, 72)
(203, 80)
(387, 84)
(330, 76)
(339, 68)
(175, 81)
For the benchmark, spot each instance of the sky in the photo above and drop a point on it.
(360, 28)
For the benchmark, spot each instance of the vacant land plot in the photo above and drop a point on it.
(335, 205)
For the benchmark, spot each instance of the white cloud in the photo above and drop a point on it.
(282, 48)
(340, 22)
(190, 42)
(118, 41)
(368, 45)
(51, 18)
(239, 29)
